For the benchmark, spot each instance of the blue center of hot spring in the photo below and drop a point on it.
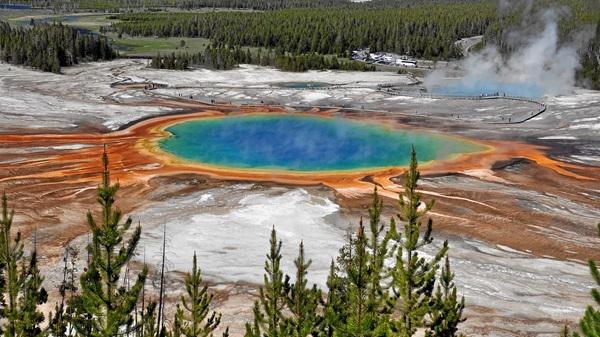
(304, 143)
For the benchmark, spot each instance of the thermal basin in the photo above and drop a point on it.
(305, 143)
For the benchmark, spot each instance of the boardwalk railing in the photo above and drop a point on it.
(389, 90)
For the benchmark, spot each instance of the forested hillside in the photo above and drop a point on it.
(300, 28)
(429, 30)
(49, 47)
(425, 31)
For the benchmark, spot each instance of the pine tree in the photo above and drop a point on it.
(379, 246)
(177, 328)
(105, 307)
(354, 259)
(335, 314)
(302, 302)
(59, 321)
(148, 326)
(446, 312)
(11, 252)
(160, 324)
(590, 323)
(21, 281)
(193, 317)
(31, 295)
(414, 276)
(268, 309)
(366, 278)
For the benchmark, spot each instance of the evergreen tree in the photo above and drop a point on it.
(302, 302)
(105, 307)
(31, 295)
(379, 247)
(21, 282)
(335, 314)
(446, 312)
(196, 320)
(59, 321)
(148, 326)
(414, 276)
(366, 278)
(11, 252)
(268, 309)
(362, 319)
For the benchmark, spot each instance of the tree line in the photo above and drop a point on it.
(154, 5)
(226, 58)
(49, 47)
(423, 31)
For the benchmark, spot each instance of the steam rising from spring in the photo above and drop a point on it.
(539, 66)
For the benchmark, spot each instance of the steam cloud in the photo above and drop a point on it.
(539, 65)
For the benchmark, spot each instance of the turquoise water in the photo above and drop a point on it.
(302, 85)
(469, 87)
(14, 6)
(304, 143)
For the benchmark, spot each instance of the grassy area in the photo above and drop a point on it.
(12, 14)
(148, 46)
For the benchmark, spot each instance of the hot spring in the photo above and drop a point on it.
(302, 85)
(304, 143)
(468, 87)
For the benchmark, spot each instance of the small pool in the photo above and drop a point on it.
(15, 6)
(304, 143)
(302, 85)
(487, 88)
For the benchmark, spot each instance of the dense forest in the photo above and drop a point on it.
(225, 58)
(49, 47)
(424, 31)
(134, 5)
(152, 5)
